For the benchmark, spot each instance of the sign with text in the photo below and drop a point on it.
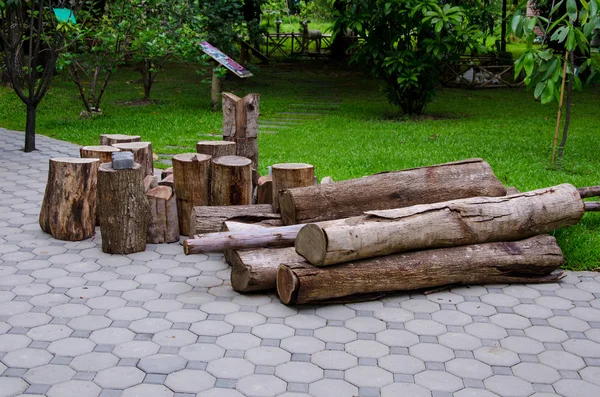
(224, 60)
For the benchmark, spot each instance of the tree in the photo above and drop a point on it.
(407, 43)
(549, 68)
(32, 39)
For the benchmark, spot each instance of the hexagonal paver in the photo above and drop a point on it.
(69, 310)
(582, 348)
(150, 325)
(367, 348)
(365, 324)
(336, 360)
(476, 308)
(211, 328)
(509, 386)
(493, 355)
(431, 352)
(576, 388)
(471, 392)
(273, 331)
(202, 352)
(469, 368)
(162, 305)
(438, 381)
(50, 332)
(135, 349)
(106, 302)
(112, 336)
(536, 373)
(546, 334)
(268, 355)
(335, 334)
(591, 374)
(393, 314)
(86, 292)
(145, 390)
(508, 320)
(261, 386)
(220, 307)
(119, 377)
(190, 381)
(425, 327)
(451, 317)
(186, 316)
(12, 386)
(561, 360)
(459, 341)
(568, 323)
(71, 347)
(127, 313)
(500, 300)
(49, 374)
(29, 320)
(522, 345)
(27, 358)
(299, 372)
(367, 376)
(77, 388)
(335, 312)
(404, 389)
(420, 306)
(554, 302)
(302, 344)
(397, 337)
(11, 308)
(401, 364)
(533, 311)
(94, 362)
(332, 388)
(521, 292)
(238, 341)
(175, 338)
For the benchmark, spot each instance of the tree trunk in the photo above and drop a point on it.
(124, 209)
(215, 91)
(265, 190)
(163, 226)
(527, 261)
(216, 149)
(103, 153)
(288, 176)
(453, 223)
(563, 141)
(467, 178)
(112, 139)
(69, 207)
(240, 125)
(30, 128)
(191, 176)
(231, 181)
(142, 154)
(207, 219)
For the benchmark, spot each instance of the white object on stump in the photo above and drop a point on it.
(142, 154)
(216, 149)
(231, 181)
(69, 207)
(163, 226)
(111, 139)
(123, 209)
(191, 181)
(288, 176)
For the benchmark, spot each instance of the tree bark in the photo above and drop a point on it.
(142, 154)
(30, 128)
(205, 219)
(467, 178)
(532, 260)
(103, 153)
(265, 190)
(453, 223)
(288, 176)
(240, 125)
(191, 176)
(69, 207)
(163, 226)
(216, 149)
(215, 91)
(150, 182)
(231, 181)
(112, 139)
(124, 209)
(563, 140)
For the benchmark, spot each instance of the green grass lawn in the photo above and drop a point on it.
(360, 136)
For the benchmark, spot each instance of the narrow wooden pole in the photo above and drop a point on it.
(591, 207)
(215, 91)
(560, 106)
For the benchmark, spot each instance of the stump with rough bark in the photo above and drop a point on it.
(191, 181)
(142, 154)
(69, 207)
(163, 226)
(102, 153)
(123, 209)
(111, 139)
(216, 149)
(231, 181)
(290, 175)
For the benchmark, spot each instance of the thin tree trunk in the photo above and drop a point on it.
(30, 128)
(563, 141)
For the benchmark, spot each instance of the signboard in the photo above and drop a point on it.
(224, 60)
(64, 15)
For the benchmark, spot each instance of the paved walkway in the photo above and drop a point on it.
(77, 322)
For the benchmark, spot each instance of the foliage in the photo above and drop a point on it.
(221, 22)
(319, 10)
(273, 9)
(407, 43)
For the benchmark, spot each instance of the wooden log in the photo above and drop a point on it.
(69, 206)
(467, 178)
(163, 226)
(215, 91)
(591, 191)
(591, 206)
(216, 149)
(231, 181)
(191, 176)
(123, 209)
(111, 139)
(459, 222)
(149, 183)
(102, 153)
(264, 238)
(166, 172)
(265, 190)
(240, 125)
(209, 219)
(168, 181)
(532, 260)
(290, 175)
(142, 154)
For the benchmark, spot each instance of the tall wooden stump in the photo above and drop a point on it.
(231, 181)
(142, 154)
(191, 180)
(111, 139)
(240, 125)
(69, 206)
(163, 226)
(216, 149)
(123, 209)
(290, 175)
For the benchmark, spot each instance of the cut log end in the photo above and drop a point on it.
(287, 285)
(188, 157)
(73, 160)
(232, 161)
(311, 243)
(287, 208)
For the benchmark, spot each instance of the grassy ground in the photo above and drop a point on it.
(360, 136)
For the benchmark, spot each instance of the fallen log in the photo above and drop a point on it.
(452, 223)
(532, 260)
(209, 219)
(461, 179)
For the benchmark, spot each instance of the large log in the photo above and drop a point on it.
(209, 219)
(191, 176)
(452, 223)
(142, 154)
(123, 209)
(216, 149)
(231, 181)
(69, 206)
(532, 260)
(163, 226)
(102, 153)
(461, 179)
(111, 139)
(290, 175)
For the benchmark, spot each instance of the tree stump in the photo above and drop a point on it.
(231, 181)
(191, 181)
(142, 154)
(69, 206)
(265, 190)
(111, 139)
(123, 209)
(240, 125)
(163, 226)
(290, 175)
(216, 149)
(103, 153)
